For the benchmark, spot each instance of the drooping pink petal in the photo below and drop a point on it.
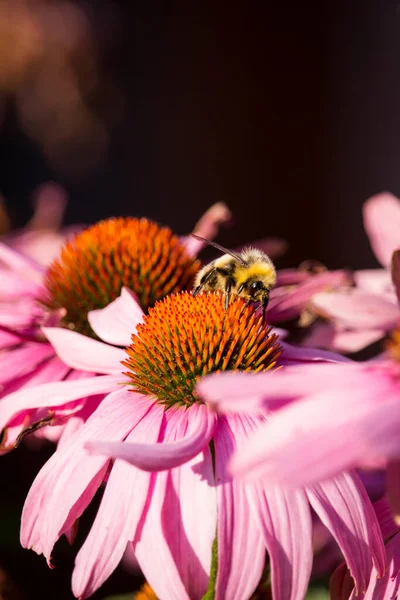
(68, 481)
(381, 215)
(180, 521)
(297, 354)
(23, 360)
(349, 428)
(207, 227)
(81, 352)
(158, 457)
(241, 550)
(388, 586)
(343, 506)
(357, 309)
(384, 515)
(50, 395)
(251, 392)
(21, 264)
(118, 516)
(15, 286)
(116, 322)
(284, 520)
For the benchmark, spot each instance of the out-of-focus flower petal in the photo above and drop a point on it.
(207, 227)
(241, 550)
(272, 246)
(21, 264)
(68, 481)
(393, 487)
(81, 352)
(122, 505)
(15, 286)
(345, 509)
(22, 360)
(286, 304)
(374, 281)
(330, 335)
(357, 309)
(116, 322)
(349, 428)
(158, 457)
(284, 520)
(381, 215)
(297, 354)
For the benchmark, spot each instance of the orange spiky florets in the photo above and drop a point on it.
(185, 337)
(97, 263)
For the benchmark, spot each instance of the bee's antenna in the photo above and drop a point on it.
(218, 247)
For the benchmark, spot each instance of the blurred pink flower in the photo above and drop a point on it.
(359, 316)
(43, 237)
(176, 492)
(75, 283)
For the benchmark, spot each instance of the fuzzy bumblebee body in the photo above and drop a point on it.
(250, 275)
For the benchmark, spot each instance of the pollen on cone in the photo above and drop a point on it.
(185, 337)
(97, 263)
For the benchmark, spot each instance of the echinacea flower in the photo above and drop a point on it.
(90, 272)
(191, 525)
(356, 316)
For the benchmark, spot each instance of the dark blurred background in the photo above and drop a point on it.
(288, 112)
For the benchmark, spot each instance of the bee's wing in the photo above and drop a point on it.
(218, 247)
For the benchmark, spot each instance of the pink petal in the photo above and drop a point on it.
(273, 246)
(287, 304)
(158, 457)
(116, 322)
(23, 360)
(374, 281)
(357, 309)
(207, 227)
(284, 519)
(16, 286)
(153, 551)
(298, 354)
(348, 426)
(49, 395)
(251, 392)
(382, 223)
(68, 481)
(329, 335)
(118, 516)
(343, 506)
(241, 551)
(386, 587)
(81, 352)
(384, 515)
(21, 264)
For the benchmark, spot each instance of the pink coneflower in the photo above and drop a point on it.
(192, 526)
(89, 274)
(355, 317)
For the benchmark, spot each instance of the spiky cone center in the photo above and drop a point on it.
(94, 266)
(185, 337)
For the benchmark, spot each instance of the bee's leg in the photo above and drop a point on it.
(228, 288)
(265, 301)
(197, 290)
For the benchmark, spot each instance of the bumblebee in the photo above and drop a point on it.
(250, 274)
